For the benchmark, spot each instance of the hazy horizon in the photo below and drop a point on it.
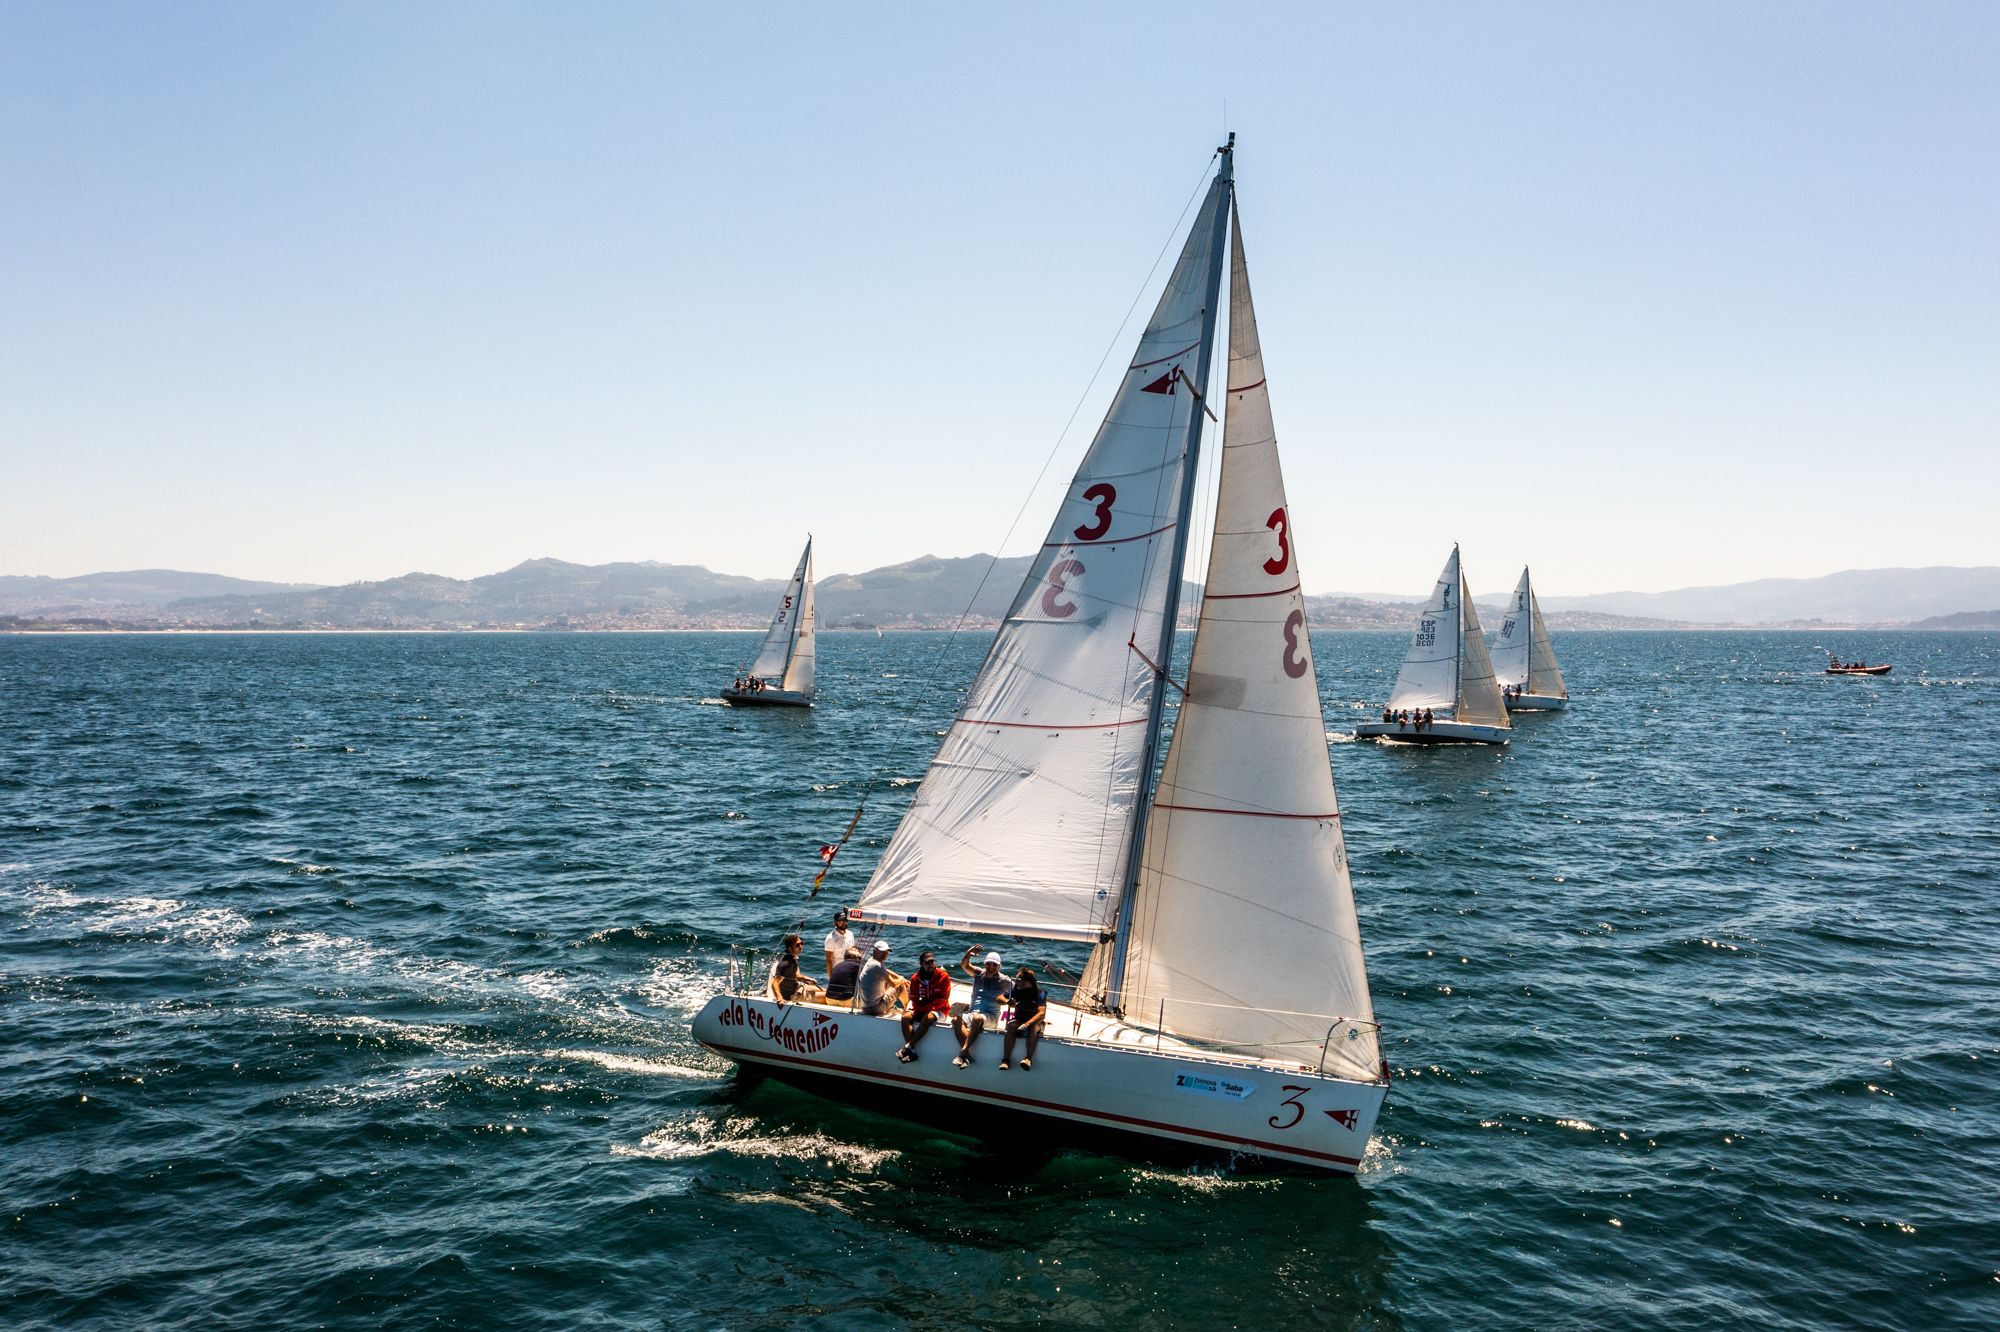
(1646, 299)
(1481, 588)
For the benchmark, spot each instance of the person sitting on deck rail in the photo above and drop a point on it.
(878, 991)
(1031, 1010)
(1387, 716)
(841, 977)
(989, 988)
(788, 985)
(930, 1000)
(838, 940)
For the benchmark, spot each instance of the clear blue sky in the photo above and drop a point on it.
(1646, 296)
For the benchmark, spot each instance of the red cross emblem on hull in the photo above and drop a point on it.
(1346, 1118)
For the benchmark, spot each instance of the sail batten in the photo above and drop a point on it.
(1242, 928)
(1024, 819)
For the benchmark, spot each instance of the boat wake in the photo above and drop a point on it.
(700, 1135)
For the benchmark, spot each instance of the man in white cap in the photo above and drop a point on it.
(989, 990)
(878, 989)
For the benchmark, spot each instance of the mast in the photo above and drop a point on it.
(1163, 656)
(1528, 676)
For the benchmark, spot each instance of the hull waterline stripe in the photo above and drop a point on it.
(947, 1089)
(1245, 596)
(1246, 813)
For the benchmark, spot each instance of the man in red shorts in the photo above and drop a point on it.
(930, 1002)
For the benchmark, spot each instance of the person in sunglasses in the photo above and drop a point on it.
(990, 989)
(930, 1002)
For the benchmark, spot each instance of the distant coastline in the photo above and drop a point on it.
(927, 593)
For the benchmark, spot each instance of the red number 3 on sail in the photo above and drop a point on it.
(1278, 523)
(1295, 658)
(1061, 569)
(1105, 495)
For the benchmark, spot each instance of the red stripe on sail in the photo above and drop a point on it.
(1247, 387)
(1109, 541)
(1164, 359)
(1047, 726)
(1244, 596)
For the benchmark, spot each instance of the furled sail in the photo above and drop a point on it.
(1545, 677)
(799, 666)
(776, 651)
(1242, 930)
(1429, 678)
(1478, 694)
(1513, 643)
(1023, 822)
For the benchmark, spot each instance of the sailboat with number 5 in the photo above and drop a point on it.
(1224, 1006)
(782, 674)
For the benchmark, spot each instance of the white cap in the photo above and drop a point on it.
(881, 945)
(994, 958)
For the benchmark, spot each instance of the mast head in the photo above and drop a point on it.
(1227, 152)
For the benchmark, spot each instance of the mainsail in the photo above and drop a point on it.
(1242, 929)
(1513, 643)
(1023, 823)
(1522, 656)
(1429, 678)
(790, 631)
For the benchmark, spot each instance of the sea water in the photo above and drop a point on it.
(346, 982)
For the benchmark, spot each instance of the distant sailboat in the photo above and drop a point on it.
(1447, 673)
(1523, 661)
(782, 674)
(1225, 1004)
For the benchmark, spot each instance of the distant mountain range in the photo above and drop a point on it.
(922, 593)
(1855, 596)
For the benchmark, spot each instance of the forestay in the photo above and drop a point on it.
(1023, 821)
(776, 652)
(1429, 678)
(1242, 929)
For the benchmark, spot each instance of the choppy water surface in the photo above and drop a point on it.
(346, 982)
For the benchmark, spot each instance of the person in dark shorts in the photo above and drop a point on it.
(1031, 1011)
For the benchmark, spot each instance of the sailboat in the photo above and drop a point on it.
(782, 674)
(1523, 661)
(1446, 672)
(1225, 1006)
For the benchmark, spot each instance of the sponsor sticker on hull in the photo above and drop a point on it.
(1203, 1085)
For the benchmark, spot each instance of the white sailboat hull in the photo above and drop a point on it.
(1132, 1093)
(1437, 733)
(770, 698)
(1536, 702)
